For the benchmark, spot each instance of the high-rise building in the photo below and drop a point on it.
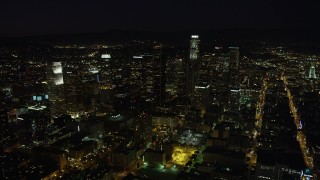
(234, 66)
(3, 115)
(105, 73)
(312, 72)
(312, 77)
(234, 84)
(201, 95)
(175, 78)
(192, 74)
(159, 73)
(39, 116)
(73, 88)
(56, 89)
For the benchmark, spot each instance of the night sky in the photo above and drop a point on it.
(33, 17)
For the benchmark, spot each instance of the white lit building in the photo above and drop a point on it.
(56, 89)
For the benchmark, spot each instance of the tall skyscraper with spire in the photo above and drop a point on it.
(192, 66)
(312, 72)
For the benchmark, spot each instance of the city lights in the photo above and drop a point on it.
(176, 109)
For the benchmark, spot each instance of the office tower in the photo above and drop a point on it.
(312, 77)
(201, 95)
(137, 71)
(147, 75)
(234, 84)
(56, 89)
(312, 72)
(175, 78)
(105, 74)
(234, 66)
(159, 73)
(234, 100)
(192, 74)
(73, 92)
(3, 115)
(105, 80)
(39, 116)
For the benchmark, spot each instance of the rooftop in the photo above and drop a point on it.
(191, 138)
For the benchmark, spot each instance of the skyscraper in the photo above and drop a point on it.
(105, 74)
(3, 115)
(312, 72)
(39, 116)
(234, 84)
(56, 89)
(159, 73)
(175, 78)
(192, 71)
(234, 66)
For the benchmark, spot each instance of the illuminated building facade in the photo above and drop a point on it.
(73, 88)
(201, 96)
(105, 75)
(312, 76)
(192, 74)
(56, 89)
(312, 72)
(175, 76)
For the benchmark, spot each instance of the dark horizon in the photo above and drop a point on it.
(273, 36)
(43, 18)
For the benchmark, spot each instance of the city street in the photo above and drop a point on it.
(301, 138)
(251, 151)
